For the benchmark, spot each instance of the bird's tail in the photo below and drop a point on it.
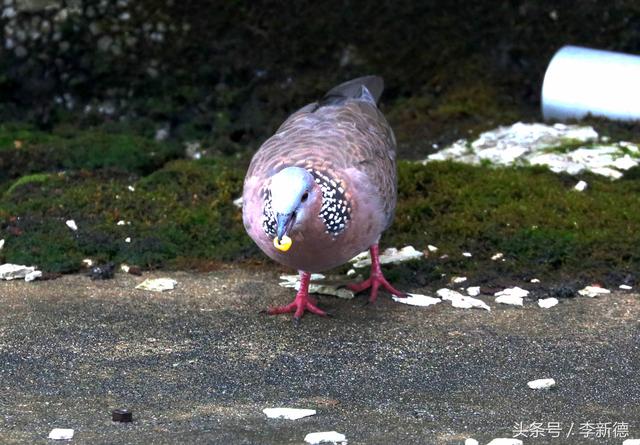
(353, 89)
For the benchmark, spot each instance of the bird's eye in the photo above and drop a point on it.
(304, 197)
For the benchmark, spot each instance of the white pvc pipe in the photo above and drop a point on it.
(581, 81)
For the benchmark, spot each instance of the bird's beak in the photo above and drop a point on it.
(284, 222)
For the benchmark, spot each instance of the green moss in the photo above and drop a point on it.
(29, 180)
(24, 150)
(183, 214)
(184, 210)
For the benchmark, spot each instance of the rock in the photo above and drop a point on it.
(61, 434)
(102, 271)
(541, 384)
(460, 301)
(390, 255)
(625, 287)
(546, 303)
(593, 291)
(157, 284)
(473, 291)
(581, 186)
(505, 441)
(417, 300)
(471, 441)
(10, 271)
(512, 295)
(31, 276)
(72, 225)
(238, 202)
(319, 284)
(288, 413)
(325, 437)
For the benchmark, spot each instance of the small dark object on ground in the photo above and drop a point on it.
(121, 415)
(135, 270)
(564, 291)
(102, 271)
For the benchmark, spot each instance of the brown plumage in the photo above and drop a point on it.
(341, 197)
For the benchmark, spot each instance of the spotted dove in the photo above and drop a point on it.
(323, 188)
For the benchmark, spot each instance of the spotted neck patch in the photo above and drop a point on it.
(336, 209)
(268, 218)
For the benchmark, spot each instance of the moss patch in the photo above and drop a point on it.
(183, 214)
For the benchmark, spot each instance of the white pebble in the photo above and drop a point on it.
(511, 295)
(157, 284)
(581, 186)
(1, 244)
(121, 223)
(458, 280)
(432, 248)
(467, 254)
(127, 239)
(71, 224)
(288, 413)
(460, 301)
(131, 188)
(61, 434)
(497, 256)
(351, 272)
(417, 300)
(471, 441)
(473, 291)
(622, 286)
(593, 291)
(33, 275)
(505, 441)
(631, 442)
(546, 303)
(87, 262)
(534, 280)
(541, 384)
(325, 437)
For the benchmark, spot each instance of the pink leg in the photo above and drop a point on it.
(301, 303)
(376, 279)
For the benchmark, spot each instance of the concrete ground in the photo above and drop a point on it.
(199, 363)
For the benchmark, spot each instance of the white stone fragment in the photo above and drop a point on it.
(631, 442)
(458, 280)
(541, 384)
(432, 248)
(71, 224)
(461, 301)
(127, 239)
(10, 271)
(1, 244)
(534, 280)
(593, 291)
(417, 300)
(157, 284)
(497, 256)
(125, 268)
(61, 434)
(390, 255)
(238, 202)
(467, 254)
(319, 284)
(546, 303)
(131, 188)
(625, 287)
(87, 262)
(505, 441)
(473, 291)
(121, 222)
(511, 295)
(31, 276)
(325, 437)
(581, 186)
(351, 272)
(288, 413)
(471, 441)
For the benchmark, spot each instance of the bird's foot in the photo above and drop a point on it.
(298, 306)
(374, 282)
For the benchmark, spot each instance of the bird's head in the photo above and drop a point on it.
(293, 194)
